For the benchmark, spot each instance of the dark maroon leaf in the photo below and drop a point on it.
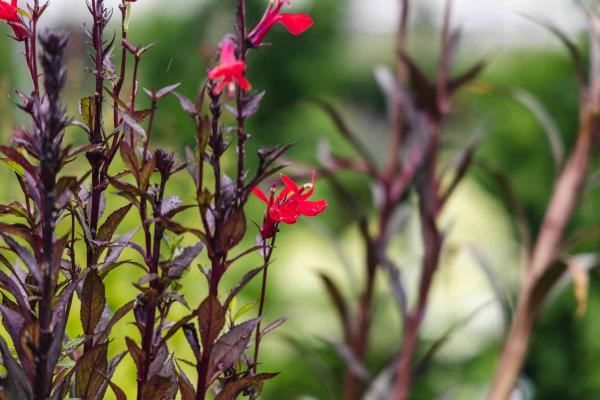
(88, 371)
(135, 351)
(140, 115)
(130, 122)
(273, 325)
(240, 285)
(158, 361)
(108, 228)
(14, 156)
(166, 90)
(176, 266)
(252, 105)
(146, 173)
(160, 387)
(92, 302)
(186, 104)
(16, 384)
(211, 317)
(231, 390)
(116, 317)
(112, 366)
(233, 230)
(24, 254)
(191, 335)
(173, 329)
(230, 347)
(186, 389)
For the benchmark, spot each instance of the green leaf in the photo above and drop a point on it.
(243, 310)
(87, 109)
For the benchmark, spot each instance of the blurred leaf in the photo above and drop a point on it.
(166, 90)
(339, 302)
(546, 121)
(350, 359)
(252, 105)
(273, 325)
(186, 104)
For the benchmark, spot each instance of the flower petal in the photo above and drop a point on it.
(311, 208)
(228, 52)
(306, 195)
(260, 194)
(290, 184)
(221, 85)
(243, 82)
(295, 23)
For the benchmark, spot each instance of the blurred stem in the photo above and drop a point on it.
(397, 126)
(359, 339)
(565, 197)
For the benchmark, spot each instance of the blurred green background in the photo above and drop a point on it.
(335, 61)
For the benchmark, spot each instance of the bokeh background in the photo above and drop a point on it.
(335, 60)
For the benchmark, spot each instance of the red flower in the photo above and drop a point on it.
(10, 14)
(294, 23)
(291, 203)
(230, 70)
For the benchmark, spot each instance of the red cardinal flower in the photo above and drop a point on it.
(230, 70)
(10, 14)
(294, 23)
(291, 203)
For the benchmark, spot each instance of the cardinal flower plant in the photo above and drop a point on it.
(65, 234)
